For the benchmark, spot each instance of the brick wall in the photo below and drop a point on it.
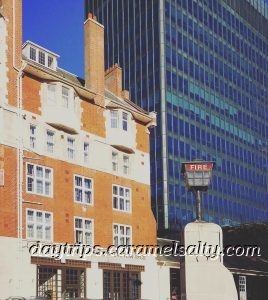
(64, 208)
(31, 94)
(8, 192)
(7, 12)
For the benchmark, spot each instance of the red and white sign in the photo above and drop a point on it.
(198, 167)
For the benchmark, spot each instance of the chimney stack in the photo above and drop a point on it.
(113, 80)
(94, 57)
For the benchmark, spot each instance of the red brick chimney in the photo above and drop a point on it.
(94, 57)
(113, 80)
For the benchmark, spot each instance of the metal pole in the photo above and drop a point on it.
(198, 206)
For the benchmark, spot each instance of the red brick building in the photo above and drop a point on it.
(74, 168)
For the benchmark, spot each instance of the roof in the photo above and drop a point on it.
(125, 102)
(244, 235)
(165, 259)
(60, 72)
(139, 113)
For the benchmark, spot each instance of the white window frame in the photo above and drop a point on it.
(65, 98)
(50, 61)
(32, 136)
(42, 179)
(114, 119)
(118, 237)
(51, 95)
(126, 165)
(60, 95)
(35, 223)
(50, 141)
(121, 199)
(125, 121)
(120, 119)
(83, 230)
(70, 148)
(83, 189)
(33, 50)
(115, 156)
(86, 152)
(43, 55)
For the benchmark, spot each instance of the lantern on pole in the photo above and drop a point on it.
(197, 176)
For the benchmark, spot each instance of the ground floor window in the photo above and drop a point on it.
(60, 283)
(119, 285)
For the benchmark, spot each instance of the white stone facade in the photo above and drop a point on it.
(18, 276)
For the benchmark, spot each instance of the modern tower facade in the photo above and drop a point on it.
(202, 66)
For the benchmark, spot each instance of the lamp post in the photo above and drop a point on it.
(197, 175)
(207, 278)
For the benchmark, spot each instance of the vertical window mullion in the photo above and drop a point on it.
(35, 224)
(44, 181)
(84, 230)
(35, 179)
(83, 189)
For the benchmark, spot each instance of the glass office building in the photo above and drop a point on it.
(203, 67)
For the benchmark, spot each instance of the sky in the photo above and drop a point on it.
(57, 26)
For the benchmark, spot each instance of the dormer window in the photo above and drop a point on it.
(40, 55)
(42, 58)
(32, 53)
(50, 61)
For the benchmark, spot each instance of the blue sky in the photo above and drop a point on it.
(57, 26)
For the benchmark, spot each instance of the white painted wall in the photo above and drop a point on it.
(206, 279)
(155, 281)
(8, 127)
(118, 136)
(164, 282)
(56, 113)
(100, 151)
(3, 61)
(18, 275)
(94, 282)
(149, 278)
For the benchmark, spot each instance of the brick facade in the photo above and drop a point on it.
(55, 126)
(94, 124)
(14, 42)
